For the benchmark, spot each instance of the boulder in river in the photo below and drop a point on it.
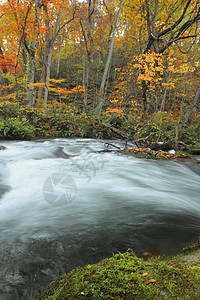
(2, 147)
(59, 152)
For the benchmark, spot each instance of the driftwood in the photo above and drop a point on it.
(109, 144)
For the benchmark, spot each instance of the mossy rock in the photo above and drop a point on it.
(125, 276)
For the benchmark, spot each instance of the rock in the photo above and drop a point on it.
(3, 189)
(174, 277)
(2, 147)
(164, 147)
(193, 166)
(172, 151)
(59, 152)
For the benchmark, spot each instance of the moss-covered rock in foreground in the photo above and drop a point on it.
(125, 276)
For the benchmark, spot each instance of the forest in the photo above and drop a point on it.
(100, 69)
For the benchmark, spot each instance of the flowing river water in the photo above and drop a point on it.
(57, 214)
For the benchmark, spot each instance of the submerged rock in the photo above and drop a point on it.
(2, 147)
(59, 152)
(193, 166)
(3, 189)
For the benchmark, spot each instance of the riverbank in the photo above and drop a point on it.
(24, 123)
(125, 276)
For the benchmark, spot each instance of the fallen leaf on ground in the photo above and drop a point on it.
(150, 281)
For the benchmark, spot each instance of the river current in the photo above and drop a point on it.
(59, 213)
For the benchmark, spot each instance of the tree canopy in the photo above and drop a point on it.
(138, 59)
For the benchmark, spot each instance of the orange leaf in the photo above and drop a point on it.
(150, 281)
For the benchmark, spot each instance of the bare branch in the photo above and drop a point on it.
(181, 30)
(164, 32)
(2, 15)
(73, 17)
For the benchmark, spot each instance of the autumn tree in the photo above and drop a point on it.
(172, 30)
(111, 45)
(22, 36)
(54, 22)
(162, 25)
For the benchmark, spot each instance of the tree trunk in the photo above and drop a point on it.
(47, 54)
(42, 76)
(30, 66)
(59, 55)
(4, 81)
(48, 68)
(30, 73)
(162, 105)
(105, 74)
(192, 105)
(86, 69)
(144, 98)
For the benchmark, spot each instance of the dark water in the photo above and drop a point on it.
(105, 203)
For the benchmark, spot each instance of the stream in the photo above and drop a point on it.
(57, 213)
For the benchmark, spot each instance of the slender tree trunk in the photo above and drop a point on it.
(105, 74)
(31, 50)
(59, 56)
(162, 106)
(86, 69)
(42, 75)
(88, 42)
(48, 68)
(46, 48)
(47, 54)
(144, 98)
(151, 26)
(191, 107)
(1, 79)
(30, 73)
(4, 70)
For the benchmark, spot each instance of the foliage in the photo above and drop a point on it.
(15, 129)
(159, 127)
(191, 134)
(66, 120)
(155, 62)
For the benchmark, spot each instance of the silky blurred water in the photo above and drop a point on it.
(120, 202)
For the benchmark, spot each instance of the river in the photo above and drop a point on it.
(57, 214)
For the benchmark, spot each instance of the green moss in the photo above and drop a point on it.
(125, 276)
(192, 247)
